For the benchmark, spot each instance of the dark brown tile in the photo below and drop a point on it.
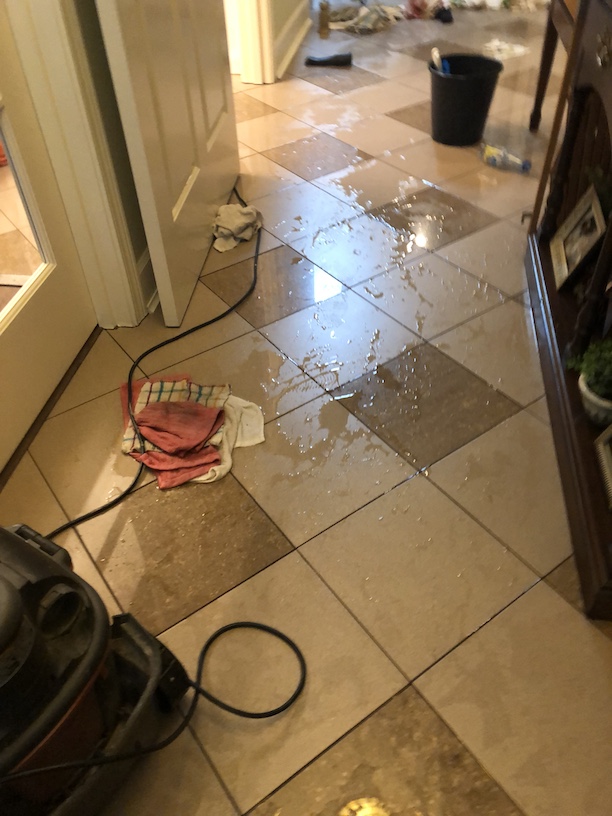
(286, 283)
(248, 108)
(566, 581)
(167, 553)
(526, 80)
(417, 116)
(403, 756)
(424, 405)
(339, 80)
(315, 156)
(433, 217)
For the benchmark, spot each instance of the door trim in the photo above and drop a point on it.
(76, 151)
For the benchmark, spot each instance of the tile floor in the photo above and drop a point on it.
(403, 521)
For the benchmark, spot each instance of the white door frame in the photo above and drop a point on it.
(77, 152)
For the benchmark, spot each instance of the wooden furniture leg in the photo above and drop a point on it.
(548, 54)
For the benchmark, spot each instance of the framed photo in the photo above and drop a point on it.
(577, 237)
(603, 446)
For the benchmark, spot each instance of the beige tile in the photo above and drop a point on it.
(566, 581)
(204, 305)
(424, 405)
(429, 295)
(104, 369)
(178, 779)
(331, 113)
(301, 211)
(245, 107)
(497, 191)
(341, 80)
(254, 671)
(11, 205)
(508, 480)
(539, 409)
(316, 156)
(286, 283)
(5, 224)
(432, 161)
(358, 249)
(369, 184)
(419, 79)
(496, 254)
(318, 465)
(272, 130)
(17, 255)
(519, 141)
(260, 177)
(379, 133)
(403, 756)
(287, 93)
(433, 578)
(432, 218)
(27, 499)
(257, 372)
(339, 339)
(79, 454)
(244, 151)
(529, 695)
(245, 249)
(386, 96)
(500, 346)
(388, 64)
(7, 293)
(167, 553)
(238, 85)
(7, 180)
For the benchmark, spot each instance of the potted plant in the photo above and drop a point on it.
(595, 382)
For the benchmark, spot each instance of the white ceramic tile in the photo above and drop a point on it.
(318, 465)
(331, 113)
(369, 184)
(508, 480)
(287, 93)
(432, 578)
(204, 305)
(272, 130)
(27, 499)
(387, 63)
(358, 249)
(429, 296)
(379, 133)
(498, 191)
(500, 346)
(79, 454)
(419, 79)
(432, 161)
(178, 780)
(339, 339)
(301, 211)
(246, 249)
(104, 369)
(388, 96)
(254, 671)
(259, 177)
(496, 254)
(529, 695)
(257, 372)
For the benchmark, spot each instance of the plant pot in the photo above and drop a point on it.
(597, 409)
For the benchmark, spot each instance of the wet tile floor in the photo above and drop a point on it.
(403, 521)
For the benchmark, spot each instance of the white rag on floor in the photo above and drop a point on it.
(233, 224)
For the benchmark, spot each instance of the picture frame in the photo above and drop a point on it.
(577, 237)
(603, 447)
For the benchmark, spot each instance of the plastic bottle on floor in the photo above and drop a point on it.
(499, 157)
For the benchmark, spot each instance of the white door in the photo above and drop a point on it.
(43, 328)
(170, 69)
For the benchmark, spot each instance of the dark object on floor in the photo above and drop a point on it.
(71, 685)
(444, 15)
(339, 60)
(460, 100)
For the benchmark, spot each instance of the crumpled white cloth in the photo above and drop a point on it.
(233, 224)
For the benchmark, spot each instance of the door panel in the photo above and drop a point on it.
(170, 69)
(44, 327)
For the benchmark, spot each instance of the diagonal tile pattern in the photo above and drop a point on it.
(390, 332)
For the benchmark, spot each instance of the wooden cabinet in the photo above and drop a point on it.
(561, 322)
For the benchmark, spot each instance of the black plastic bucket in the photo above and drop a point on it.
(460, 99)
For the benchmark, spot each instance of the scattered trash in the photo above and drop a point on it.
(436, 9)
(339, 60)
(499, 49)
(364, 20)
(500, 158)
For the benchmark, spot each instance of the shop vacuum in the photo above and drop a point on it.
(72, 686)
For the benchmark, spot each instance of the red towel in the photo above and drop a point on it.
(182, 431)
